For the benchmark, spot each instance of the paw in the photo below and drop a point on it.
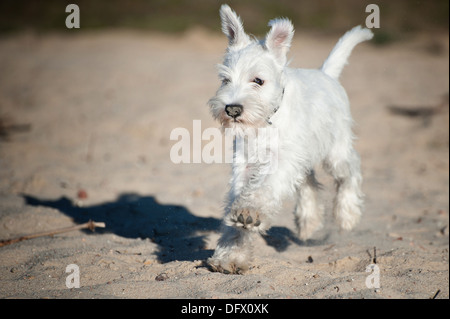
(247, 218)
(226, 266)
(348, 213)
(309, 224)
(307, 229)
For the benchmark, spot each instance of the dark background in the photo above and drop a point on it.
(398, 18)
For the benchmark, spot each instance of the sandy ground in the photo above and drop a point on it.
(93, 112)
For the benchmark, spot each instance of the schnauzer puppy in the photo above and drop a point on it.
(310, 113)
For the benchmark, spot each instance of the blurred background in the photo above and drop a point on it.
(399, 17)
(86, 117)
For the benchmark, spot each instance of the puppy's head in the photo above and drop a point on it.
(252, 73)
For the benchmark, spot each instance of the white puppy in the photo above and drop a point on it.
(309, 112)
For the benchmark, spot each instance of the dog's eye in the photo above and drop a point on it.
(225, 81)
(258, 81)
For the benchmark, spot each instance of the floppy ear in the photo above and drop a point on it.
(232, 27)
(279, 38)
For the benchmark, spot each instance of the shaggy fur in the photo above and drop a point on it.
(310, 114)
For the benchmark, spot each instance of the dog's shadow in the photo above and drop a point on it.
(179, 234)
(281, 238)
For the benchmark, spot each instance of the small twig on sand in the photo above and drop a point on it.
(374, 258)
(437, 293)
(89, 225)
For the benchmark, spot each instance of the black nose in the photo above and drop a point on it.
(234, 110)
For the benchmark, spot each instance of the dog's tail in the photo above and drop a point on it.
(337, 59)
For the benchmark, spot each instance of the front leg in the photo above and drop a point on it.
(233, 252)
(251, 204)
(244, 217)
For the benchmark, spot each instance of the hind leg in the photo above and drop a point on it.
(344, 165)
(308, 214)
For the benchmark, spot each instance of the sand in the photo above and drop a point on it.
(85, 123)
